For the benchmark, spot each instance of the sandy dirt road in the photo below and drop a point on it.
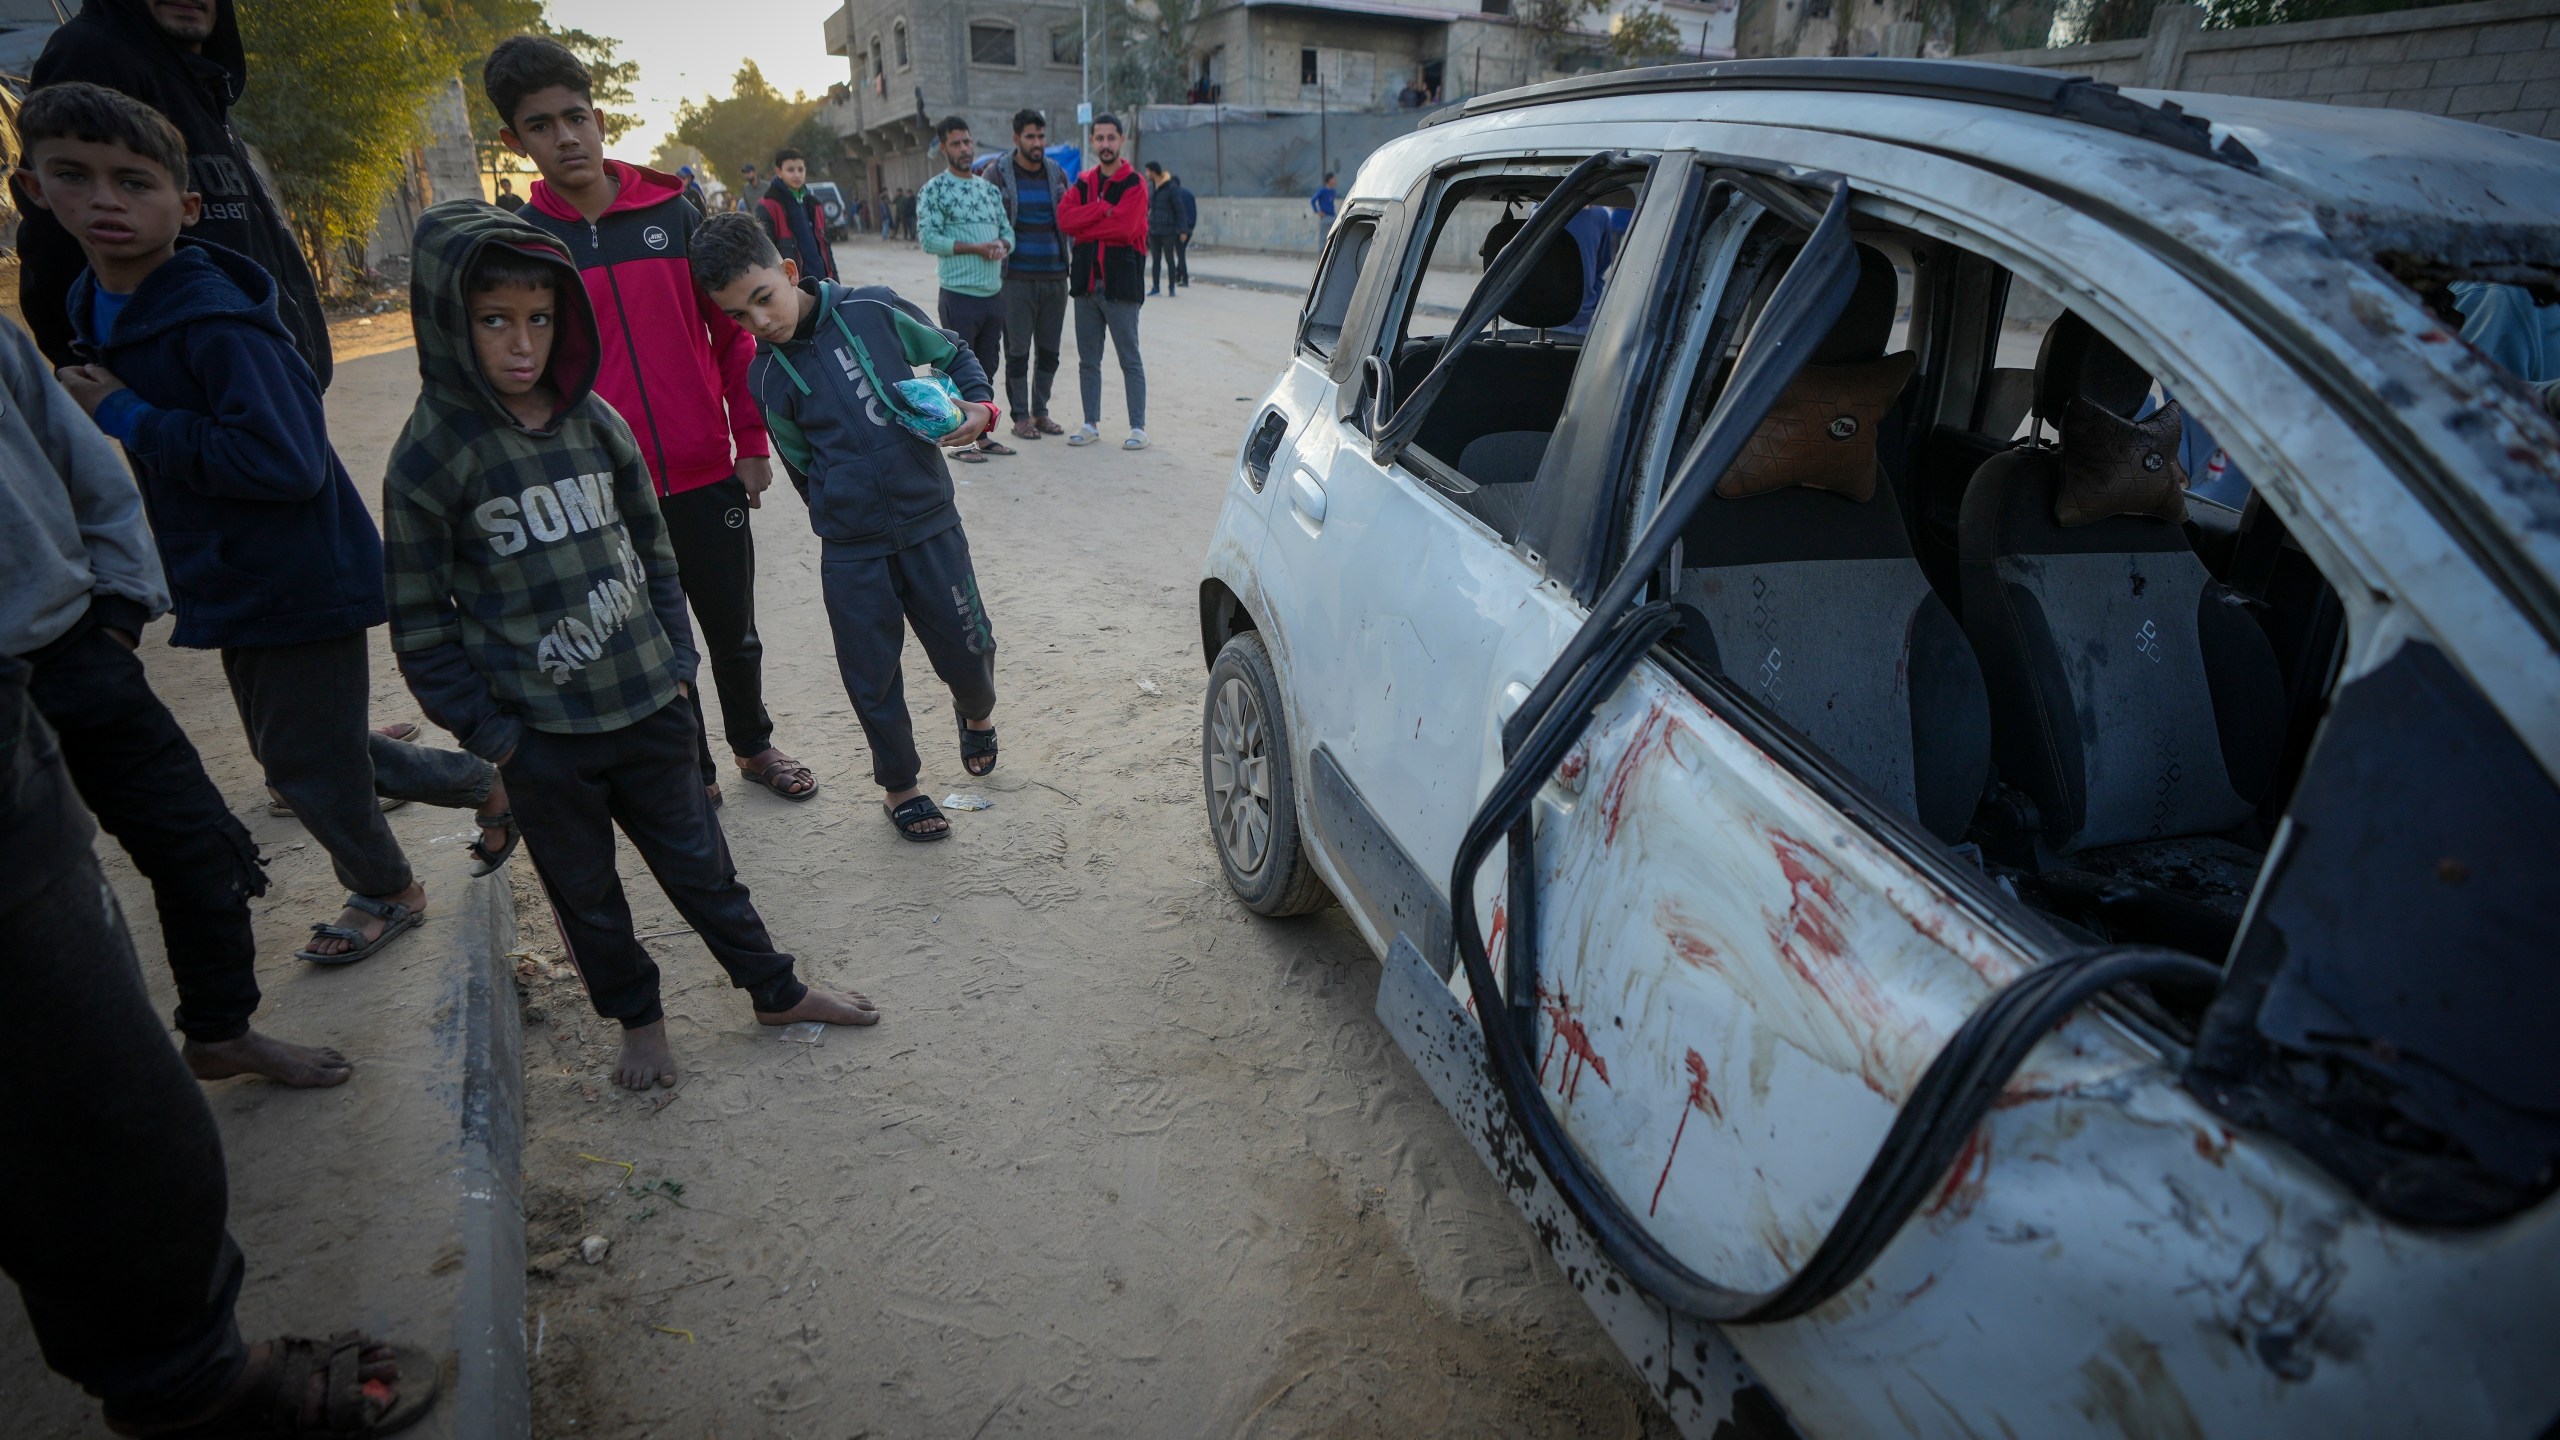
(1123, 1160)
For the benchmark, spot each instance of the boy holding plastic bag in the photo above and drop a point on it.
(835, 376)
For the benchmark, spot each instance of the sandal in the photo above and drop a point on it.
(352, 1404)
(916, 812)
(977, 745)
(397, 919)
(485, 861)
(282, 808)
(1025, 430)
(967, 456)
(780, 774)
(991, 447)
(1047, 426)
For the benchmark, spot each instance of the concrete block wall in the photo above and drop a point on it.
(2495, 63)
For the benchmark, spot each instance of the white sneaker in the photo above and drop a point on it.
(1085, 435)
(1137, 441)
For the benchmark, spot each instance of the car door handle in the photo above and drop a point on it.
(1306, 494)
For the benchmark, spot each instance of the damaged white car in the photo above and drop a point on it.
(1941, 688)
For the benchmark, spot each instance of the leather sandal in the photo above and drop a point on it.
(778, 772)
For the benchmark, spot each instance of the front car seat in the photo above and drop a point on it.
(2133, 698)
(1803, 590)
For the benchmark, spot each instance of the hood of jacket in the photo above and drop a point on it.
(635, 186)
(451, 239)
(223, 59)
(203, 281)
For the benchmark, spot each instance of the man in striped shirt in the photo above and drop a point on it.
(961, 222)
(1035, 274)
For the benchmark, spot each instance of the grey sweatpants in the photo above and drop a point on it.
(1094, 314)
(304, 707)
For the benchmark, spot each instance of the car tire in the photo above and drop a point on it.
(1251, 792)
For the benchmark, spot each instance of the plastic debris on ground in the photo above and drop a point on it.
(967, 802)
(806, 1032)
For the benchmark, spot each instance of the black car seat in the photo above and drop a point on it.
(1502, 405)
(2133, 698)
(1800, 573)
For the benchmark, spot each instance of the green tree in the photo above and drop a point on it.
(2237, 14)
(1551, 24)
(467, 30)
(1149, 49)
(341, 93)
(745, 126)
(1642, 37)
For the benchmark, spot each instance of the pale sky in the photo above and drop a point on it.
(689, 48)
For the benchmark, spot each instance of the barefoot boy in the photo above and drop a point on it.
(536, 615)
(879, 495)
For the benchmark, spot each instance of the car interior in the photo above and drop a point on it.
(1485, 452)
(1977, 585)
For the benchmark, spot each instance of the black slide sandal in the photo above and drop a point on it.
(977, 745)
(484, 861)
(916, 812)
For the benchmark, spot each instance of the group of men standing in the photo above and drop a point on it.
(1018, 246)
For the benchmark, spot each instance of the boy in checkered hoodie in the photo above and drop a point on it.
(535, 614)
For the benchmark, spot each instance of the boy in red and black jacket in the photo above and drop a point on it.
(796, 219)
(1105, 213)
(673, 366)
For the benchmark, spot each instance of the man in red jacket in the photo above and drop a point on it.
(1105, 214)
(673, 366)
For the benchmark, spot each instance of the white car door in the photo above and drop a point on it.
(1404, 603)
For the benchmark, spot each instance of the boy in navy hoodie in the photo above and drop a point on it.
(269, 552)
(879, 495)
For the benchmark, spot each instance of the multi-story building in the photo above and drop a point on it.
(914, 62)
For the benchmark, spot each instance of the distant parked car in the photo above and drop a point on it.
(1762, 670)
(831, 200)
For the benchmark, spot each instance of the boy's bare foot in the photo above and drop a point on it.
(827, 1007)
(366, 923)
(299, 1067)
(645, 1060)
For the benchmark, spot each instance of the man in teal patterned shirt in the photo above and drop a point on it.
(960, 219)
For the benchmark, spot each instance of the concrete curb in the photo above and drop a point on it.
(482, 1034)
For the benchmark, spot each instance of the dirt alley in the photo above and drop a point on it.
(1123, 1160)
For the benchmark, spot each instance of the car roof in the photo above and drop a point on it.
(2382, 169)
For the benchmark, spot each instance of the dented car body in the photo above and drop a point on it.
(1899, 740)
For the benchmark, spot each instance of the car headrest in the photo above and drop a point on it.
(2112, 466)
(1863, 328)
(2076, 360)
(1822, 432)
(1551, 294)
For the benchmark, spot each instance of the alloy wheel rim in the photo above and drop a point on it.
(1240, 776)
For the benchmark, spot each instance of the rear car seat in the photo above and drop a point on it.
(1507, 394)
(1800, 575)
(2133, 698)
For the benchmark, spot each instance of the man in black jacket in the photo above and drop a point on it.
(182, 58)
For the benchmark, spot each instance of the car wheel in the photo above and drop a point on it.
(1253, 797)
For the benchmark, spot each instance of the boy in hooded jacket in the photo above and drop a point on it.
(536, 615)
(268, 549)
(879, 494)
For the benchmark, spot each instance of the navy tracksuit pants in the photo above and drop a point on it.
(870, 603)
